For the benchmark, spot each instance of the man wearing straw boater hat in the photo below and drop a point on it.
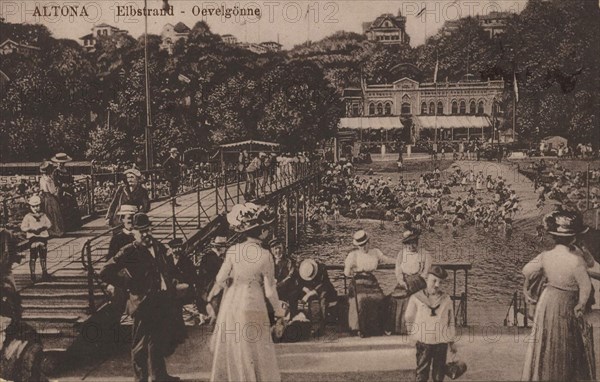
(315, 285)
(146, 271)
(124, 236)
(172, 173)
(131, 192)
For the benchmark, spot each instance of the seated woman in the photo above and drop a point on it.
(316, 287)
(411, 270)
(366, 297)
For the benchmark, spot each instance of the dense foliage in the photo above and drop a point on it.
(207, 92)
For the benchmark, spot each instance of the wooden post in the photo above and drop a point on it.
(466, 294)
(296, 220)
(287, 222)
(173, 222)
(198, 206)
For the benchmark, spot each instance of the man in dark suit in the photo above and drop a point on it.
(172, 170)
(144, 269)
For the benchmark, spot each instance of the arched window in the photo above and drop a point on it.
(355, 110)
(423, 108)
(480, 108)
(472, 108)
(405, 108)
(372, 109)
(495, 108)
(432, 108)
(388, 108)
(379, 109)
(440, 110)
(463, 107)
(454, 107)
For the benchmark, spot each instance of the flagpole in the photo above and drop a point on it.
(147, 130)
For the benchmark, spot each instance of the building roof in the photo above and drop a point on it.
(554, 138)
(496, 15)
(451, 121)
(270, 43)
(227, 35)
(361, 123)
(248, 144)
(87, 37)
(104, 25)
(7, 41)
(352, 92)
(397, 22)
(181, 28)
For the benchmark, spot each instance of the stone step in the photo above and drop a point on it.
(58, 296)
(78, 308)
(61, 284)
(48, 317)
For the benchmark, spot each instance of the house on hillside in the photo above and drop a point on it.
(89, 41)
(173, 33)
(494, 23)
(9, 46)
(387, 29)
(229, 39)
(272, 46)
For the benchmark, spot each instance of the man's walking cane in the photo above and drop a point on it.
(360, 331)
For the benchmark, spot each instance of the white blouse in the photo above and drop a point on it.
(412, 263)
(361, 261)
(564, 269)
(47, 185)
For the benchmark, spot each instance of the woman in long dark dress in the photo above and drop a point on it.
(561, 346)
(365, 312)
(132, 193)
(50, 204)
(66, 195)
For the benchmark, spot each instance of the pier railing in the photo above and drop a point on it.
(229, 188)
(459, 297)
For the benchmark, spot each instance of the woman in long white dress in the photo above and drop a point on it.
(241, 344)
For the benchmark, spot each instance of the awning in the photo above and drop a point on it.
(386, 123)
(452, 122)
(249, 143)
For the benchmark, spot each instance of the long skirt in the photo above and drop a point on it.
(51, 208)
(365, 310)
(242, 346)
(561, 346)
(70, 211)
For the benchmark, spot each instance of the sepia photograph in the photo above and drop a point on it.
(299, 190)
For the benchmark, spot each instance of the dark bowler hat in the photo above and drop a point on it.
(175, 243)
(275, 242)
(141, 221)
(438, 272)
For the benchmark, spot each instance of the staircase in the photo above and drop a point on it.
(59, 309)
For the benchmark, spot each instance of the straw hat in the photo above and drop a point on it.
(174, 150)
(308, 269)
(133, 171)
(127, 209)
(360, 238)
(35, 200)
(61, 158)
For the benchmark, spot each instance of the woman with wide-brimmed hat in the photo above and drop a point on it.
(50, 204)
(365, 313)
(561, 346)
(131, 192)
(248, 276)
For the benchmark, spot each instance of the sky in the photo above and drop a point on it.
(289, 22)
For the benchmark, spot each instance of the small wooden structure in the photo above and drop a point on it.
(230, 152)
